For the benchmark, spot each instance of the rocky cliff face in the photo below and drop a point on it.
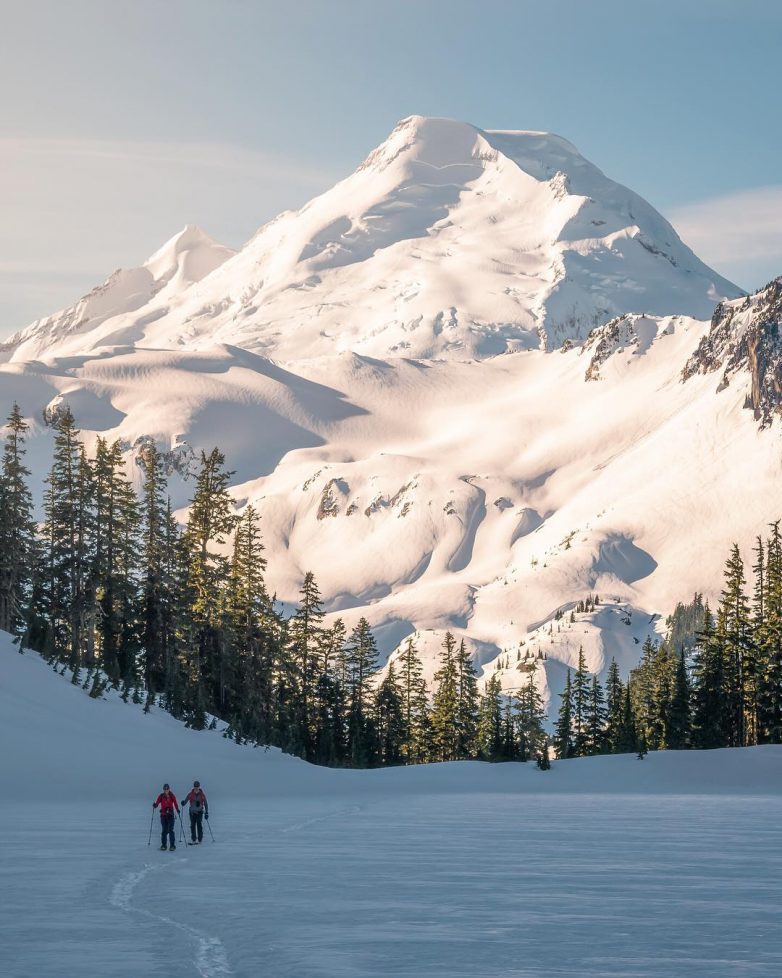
(745, 338)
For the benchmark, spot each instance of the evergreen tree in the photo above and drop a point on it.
(155, 594)
(210, 523)
(112, 598)
(768, 640)
(467, 713)
(18, 544)
(55, 634)
(362, 656)
(684, 624)
(563, 738)
(708, 723)
(530, 716)
(595, 719)
(739, 675)
(445, 705)
(306, 639)
(415, 705)
(581, 692)
(614, 706)
(389, 719)
(678, 733)
(490, 721)
(627, 737)
(253, 633)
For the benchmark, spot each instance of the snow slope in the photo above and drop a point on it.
(602, 867)
(342, 361)
(140, 294)
(447, 241)
(477, 496)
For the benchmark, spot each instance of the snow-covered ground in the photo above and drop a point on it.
(600, 867)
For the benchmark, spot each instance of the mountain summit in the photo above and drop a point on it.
(447, 241)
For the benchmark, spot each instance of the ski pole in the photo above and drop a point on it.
(210, 829)
(151, 823)
(182, 827)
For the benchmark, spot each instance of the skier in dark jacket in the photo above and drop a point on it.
(167, 803)
(199, 809)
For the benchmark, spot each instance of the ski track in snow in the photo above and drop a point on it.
(211, 961)
(354, 810)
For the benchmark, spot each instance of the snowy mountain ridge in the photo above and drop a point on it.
(746, 336)
(447, 241)
(182, 261)
(343, 362)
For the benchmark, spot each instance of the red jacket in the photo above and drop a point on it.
(167, 803)
(192, 799)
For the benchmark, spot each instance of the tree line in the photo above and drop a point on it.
(715, 681)
(111, 587)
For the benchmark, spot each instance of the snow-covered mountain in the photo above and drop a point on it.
(447, 241)
(139, 294)
(746, 335)
(341, 360)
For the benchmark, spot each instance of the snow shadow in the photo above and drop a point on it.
(618, 555)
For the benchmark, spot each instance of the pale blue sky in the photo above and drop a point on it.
(121, 122)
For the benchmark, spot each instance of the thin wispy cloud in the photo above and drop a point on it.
(739, 234)
(76, 209)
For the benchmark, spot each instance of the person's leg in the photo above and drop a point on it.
(200, 826)
(171, 838)
(193, 818)
(163, 830)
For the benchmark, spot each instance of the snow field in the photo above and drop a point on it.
(601, 867)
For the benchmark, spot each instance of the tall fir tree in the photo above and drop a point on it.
(415, 705)
(739, 675)
(362, 657)
(614, 706)
(564, 743)
(595, 719)
(490, 720)
(211, 522)
(627, 736)
(445, 704)
(768, 639)
(581, 691)
(389, 720)
(529, 718)
(679, 719)
(18, 543)
(708, 720)
(467, 713)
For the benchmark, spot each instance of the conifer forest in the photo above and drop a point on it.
(113, 591)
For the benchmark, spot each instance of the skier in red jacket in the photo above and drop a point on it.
(199, 809)
(167, 802)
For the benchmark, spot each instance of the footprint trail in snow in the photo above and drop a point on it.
(211, 961)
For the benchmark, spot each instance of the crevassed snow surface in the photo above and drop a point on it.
(601, 867)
